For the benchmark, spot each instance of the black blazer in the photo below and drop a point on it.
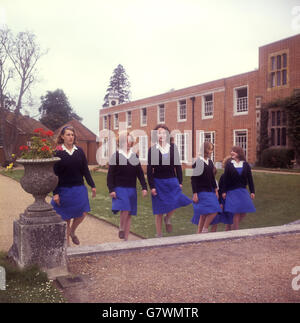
(233, 180)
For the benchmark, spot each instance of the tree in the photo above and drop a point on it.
(120, 85)
(19, 56)
(56, 110)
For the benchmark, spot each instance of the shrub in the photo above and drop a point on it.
(278, 157)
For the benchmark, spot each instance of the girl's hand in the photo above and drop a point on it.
(144, 193)
(195, 198)
(93, 192)
(113, 195)
(56, 199)
(224, 196)
(153, 192)
(217, 194)
(252, 195)
(180, 186)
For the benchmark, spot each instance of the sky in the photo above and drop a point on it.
(162, 44)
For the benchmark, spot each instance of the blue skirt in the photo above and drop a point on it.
(126, 200)
(239, 201)
(74, 201)
(169, 196)
(208, 203)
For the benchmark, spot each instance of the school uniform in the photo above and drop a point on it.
(73, 194)
(123, 171)
(204, 185)
(164, 173)
(223, 217)
(236, 178)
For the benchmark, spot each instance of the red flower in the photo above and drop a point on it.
(59, 148)
(44, 140)
(49, 133)
(45, 148)
(37, 130)
(24, 147)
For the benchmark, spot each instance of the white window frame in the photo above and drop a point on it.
(179, 105)
(235, 143)
(204, 105)
(129, 119)
(179, 142)
(105, 147)
(235, 101)
(116, 121)
(159, 114)
(142, 117)
(143, 147)
(105, 122)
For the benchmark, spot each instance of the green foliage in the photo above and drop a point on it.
(56, 110)
(41, 146)
(119, 84)
(28, 285)
(277, 157)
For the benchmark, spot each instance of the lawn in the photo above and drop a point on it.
(277, 202)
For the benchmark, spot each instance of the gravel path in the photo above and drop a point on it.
(13, 202)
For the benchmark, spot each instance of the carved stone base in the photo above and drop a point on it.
(40, 241)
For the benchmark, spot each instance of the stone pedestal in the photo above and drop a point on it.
(40, 241)
(40, 233)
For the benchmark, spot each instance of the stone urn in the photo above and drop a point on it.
(39, 180)
(40, 233)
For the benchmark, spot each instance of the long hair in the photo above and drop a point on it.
(239, 150)
(121, 139)
(206, 146)
(59, 139)
(154, 133)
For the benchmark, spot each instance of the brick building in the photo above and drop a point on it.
(225, 111)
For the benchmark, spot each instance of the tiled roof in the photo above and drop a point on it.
(82, 132)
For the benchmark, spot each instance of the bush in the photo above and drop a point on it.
(278, 158)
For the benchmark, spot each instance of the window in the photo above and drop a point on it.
(181, 116)
(116, 121)
(128, 119)
(241, 139)
(207, 106)
(105, 122)
(143, 147)
(278, 69)
(181, 141)
(105, 147)
(241, 100)
(277, 128)
(144, 117)
(161, 113)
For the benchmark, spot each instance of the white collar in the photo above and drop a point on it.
(163, 150)
(127, 156)
(205, 160)
(237, 164)
(67, 150)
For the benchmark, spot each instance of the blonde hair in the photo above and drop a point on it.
(206, 147)
(120, 139)
(59, 139)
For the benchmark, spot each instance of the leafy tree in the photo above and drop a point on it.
(19, 55)
(56, 110)
(120, 85)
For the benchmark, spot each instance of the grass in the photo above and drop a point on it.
(28, 285)
(277, 202)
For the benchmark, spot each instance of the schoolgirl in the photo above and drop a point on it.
(70, 197)
(124, 169)
(205, 192)
(164, 175)
(237, 176)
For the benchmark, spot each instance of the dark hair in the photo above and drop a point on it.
(239, 150)
(154, 133)
(59, 139)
